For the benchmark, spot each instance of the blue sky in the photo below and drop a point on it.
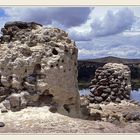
(98, 31)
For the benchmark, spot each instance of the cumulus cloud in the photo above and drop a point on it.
(65, 16)
(136, 25)
(119, 45)
(113, 22)
(80, 33)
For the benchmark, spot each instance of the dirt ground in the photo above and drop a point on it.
(40, 120)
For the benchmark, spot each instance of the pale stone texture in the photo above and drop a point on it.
(38, 66)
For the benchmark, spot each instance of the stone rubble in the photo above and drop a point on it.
(38, 66)
(116, 113)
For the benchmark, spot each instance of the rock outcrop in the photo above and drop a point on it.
(111, 83)
(38, 66)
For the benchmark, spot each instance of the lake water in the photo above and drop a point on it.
(135, 94)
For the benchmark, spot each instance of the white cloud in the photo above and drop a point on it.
(119, 45)
(82, 33)
(113, 22)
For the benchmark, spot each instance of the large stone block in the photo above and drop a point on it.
(36, 62)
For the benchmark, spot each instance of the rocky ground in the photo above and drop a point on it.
(115, 118)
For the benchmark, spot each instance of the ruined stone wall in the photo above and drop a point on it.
(38, 66)
(111, 83)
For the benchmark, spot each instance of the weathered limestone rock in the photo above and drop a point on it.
(38, 64)
(111, 83)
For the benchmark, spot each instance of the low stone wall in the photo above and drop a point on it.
(111, 83)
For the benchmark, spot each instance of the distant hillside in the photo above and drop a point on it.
(87, 68)
(113, 60)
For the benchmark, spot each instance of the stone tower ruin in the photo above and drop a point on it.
(111, 84)
(38, 66)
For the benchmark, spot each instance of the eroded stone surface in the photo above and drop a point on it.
(38, 66)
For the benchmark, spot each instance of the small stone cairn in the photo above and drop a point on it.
(111, 83)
